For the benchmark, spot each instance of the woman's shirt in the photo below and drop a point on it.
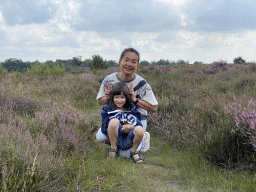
(144, 92)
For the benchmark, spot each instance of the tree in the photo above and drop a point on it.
(239, 60)
(163, 62)
(181, 62)
(197, 62)
(98, 63)
(77, 61)
(144, 63)
(14, 64)
(112, 63)
(86, 63)
(49, 63)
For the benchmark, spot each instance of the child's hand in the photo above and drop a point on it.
(126, 129)
(128, 126)
(133, 96)
(108, 90)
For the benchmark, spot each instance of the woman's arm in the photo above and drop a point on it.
(103, 100)
(147, 106)
(142, 103)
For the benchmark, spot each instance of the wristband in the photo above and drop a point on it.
(135, 102)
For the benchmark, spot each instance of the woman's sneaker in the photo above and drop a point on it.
(146, 144)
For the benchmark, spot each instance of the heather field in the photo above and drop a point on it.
(202, 137)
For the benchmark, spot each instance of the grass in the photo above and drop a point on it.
(33, 159)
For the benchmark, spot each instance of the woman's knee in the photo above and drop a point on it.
(138, 130)
(101, 137)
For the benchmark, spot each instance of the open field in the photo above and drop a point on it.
(202, 135)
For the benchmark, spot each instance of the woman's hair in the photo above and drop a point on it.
(118, 89)
(130, 50)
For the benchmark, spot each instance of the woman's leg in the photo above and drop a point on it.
(146, 138)
(101, 137)
(144, 124)
(113, 134)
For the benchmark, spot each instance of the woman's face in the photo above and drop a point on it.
(129, 63)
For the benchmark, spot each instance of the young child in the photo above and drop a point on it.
(121, 117)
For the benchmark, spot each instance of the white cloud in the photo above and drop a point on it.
(94, 1)
(141, 40)
(176, 3)
(201, 46)
(183, 20)
(160, 29)
(64, 27)
(67, 11)
(2, 20)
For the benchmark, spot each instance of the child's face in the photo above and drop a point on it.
(129, 63)
(119, 101)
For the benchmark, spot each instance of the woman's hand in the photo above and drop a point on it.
(142, 104)
(133, 96)
(108, 90)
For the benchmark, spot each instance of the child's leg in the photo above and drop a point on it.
(138, 136)
(113, 134)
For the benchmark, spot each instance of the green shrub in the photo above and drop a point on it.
(15, 74)
(2, 70)
(18, 175)
(230, 150)
(84, 96)
(44, 70)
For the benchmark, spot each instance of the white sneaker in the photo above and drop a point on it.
(146, 145)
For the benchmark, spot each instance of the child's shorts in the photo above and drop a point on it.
(102, 138)
(125, 143)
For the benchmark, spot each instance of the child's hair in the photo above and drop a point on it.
(130, 50)
(117, 89)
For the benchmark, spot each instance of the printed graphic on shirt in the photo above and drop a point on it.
(132, 119)
(141, 92)
(122, 117)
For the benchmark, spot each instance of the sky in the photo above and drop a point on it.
(191, 30)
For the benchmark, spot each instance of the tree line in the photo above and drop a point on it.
(95, 63)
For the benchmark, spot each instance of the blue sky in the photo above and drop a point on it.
(192, 30)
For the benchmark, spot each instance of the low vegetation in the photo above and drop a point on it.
(203, 134)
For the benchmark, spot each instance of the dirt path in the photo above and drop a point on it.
(167, 185)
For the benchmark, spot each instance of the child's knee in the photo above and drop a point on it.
(114, 123)
(138, 130)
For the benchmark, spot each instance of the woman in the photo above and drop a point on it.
(141, 93)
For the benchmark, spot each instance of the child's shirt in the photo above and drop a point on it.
(144, 92)
(132, 117)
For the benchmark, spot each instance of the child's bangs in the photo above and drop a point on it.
(117, 92)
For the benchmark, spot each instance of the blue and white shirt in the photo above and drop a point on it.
(132, 117)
